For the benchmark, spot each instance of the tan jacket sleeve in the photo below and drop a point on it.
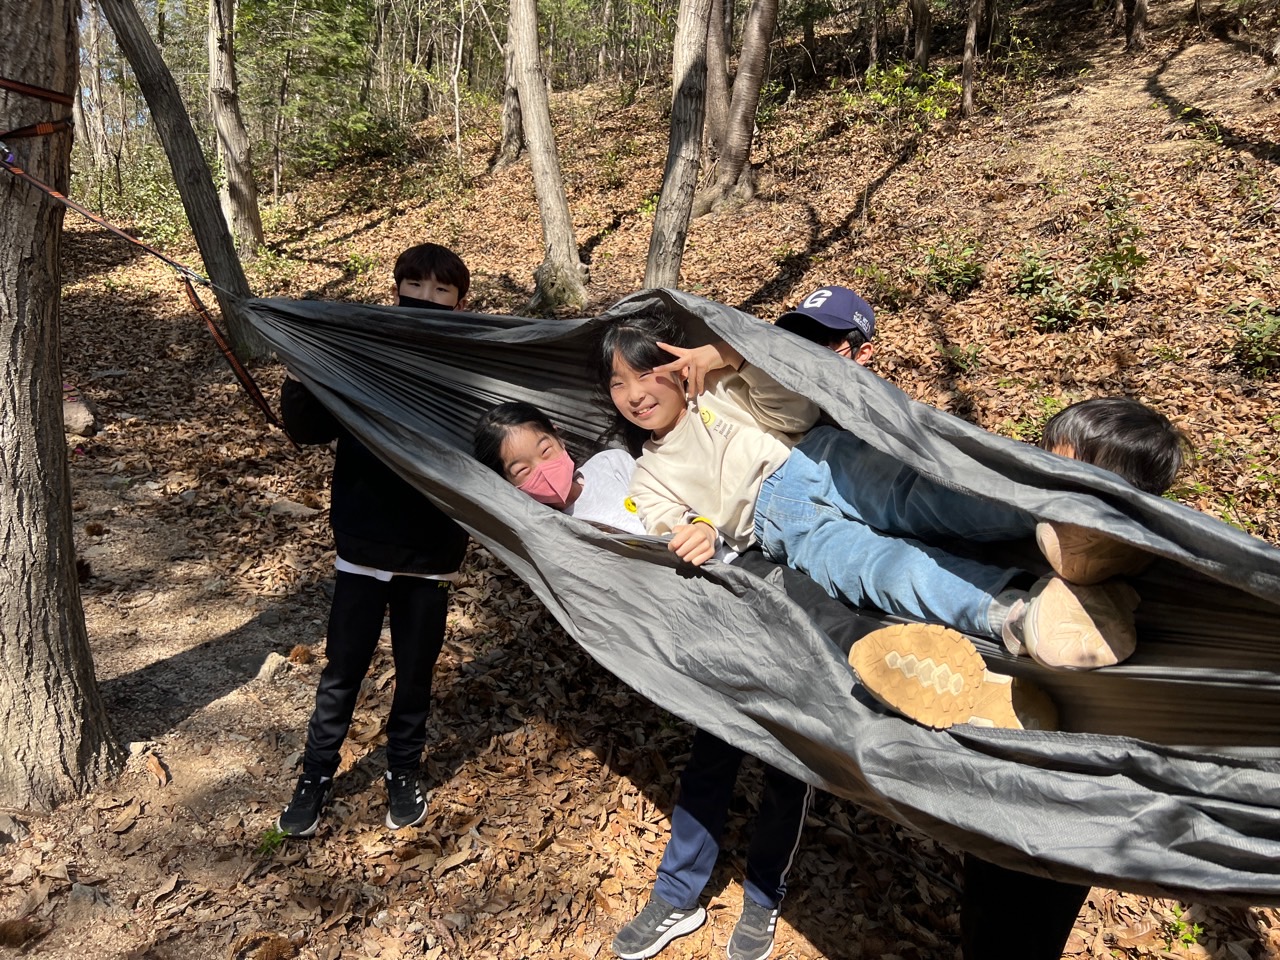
(773, 406)
(657, 508)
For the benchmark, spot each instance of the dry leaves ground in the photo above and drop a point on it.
(550, 782)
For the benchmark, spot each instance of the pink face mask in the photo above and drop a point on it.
(551, 481)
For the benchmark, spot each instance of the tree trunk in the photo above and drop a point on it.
(558, 281)
(239, 194)
(874, 35)
(512, 143)
(923, 17)
(1119, 16)
(970, 58)
(718, 102)
(1136, 29)
(733, 171)
(95, 114)
(680, 177)
(56, 738)
(190, 172)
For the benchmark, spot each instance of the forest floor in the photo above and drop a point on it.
(549, 781)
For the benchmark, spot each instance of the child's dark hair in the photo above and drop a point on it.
(636, 340)
(1123, 436)
(432, 260)
(494, 425)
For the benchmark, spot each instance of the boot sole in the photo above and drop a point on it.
(1011, 703)
(928, 673)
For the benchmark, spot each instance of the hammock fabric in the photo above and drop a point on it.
(1166, 777)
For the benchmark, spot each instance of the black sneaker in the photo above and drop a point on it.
(654, 927)
(301, 817)
(406, 806)
(753, 935)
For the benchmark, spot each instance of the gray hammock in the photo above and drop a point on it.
(1166, 777)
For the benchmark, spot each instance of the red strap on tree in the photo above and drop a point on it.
(40, 93)
(7, 161)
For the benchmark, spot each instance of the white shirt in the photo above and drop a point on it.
(605, 479)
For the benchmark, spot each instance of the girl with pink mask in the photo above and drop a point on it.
(519, 441)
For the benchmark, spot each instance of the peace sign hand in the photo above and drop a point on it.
(694, 363)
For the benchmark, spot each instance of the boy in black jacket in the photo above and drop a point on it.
(395, 550)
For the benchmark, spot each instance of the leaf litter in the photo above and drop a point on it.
(549, 782)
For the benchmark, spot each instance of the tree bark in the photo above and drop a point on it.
(190, 172)
(718, 103)
(512, 143)
(1136, 27)
(239, 193)
(680, 177)
(1119, 16)
(970, 67)
(923, 17)
(95, 112)
(733, 172)
(558, 281)
(56, 739)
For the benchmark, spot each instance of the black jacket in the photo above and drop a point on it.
(378, 519)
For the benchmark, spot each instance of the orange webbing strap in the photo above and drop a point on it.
(38, 129)
(40, 93)
(246, 381)
(187, 274)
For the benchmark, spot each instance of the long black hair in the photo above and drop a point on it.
(635, 340)
(494, 425)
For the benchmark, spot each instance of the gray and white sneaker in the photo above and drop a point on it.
(753, 934)
(654, 927)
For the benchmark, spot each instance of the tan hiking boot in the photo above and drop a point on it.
(1085, 556)
(925, 672)
(1011, 703)
(1072, 627)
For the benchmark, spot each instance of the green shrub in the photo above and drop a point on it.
(903, 102)
(345, 137)
(953, 269)
(1256, 349)
(1034, 276)
(963, 360)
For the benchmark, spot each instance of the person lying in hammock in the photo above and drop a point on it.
(751, 467)
(518, 441)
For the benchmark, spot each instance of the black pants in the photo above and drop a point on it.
(418, 611)
(1007, 914)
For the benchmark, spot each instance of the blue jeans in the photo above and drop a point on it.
(849, 516)
(706, 787)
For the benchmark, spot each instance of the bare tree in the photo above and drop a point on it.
(733, 177)
(559, 278)
(1136, 27)
(923, 18)
(970, 67)
(190, 171)
(511, 144)
(56, 739)
(717, 80)
(680, 176)
(239, 194)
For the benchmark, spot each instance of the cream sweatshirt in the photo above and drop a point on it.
(712, 463)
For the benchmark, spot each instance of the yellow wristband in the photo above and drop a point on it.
(703, 520)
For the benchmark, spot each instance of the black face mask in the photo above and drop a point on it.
(417, 302)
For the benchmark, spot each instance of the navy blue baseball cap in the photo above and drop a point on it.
(837, 308)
